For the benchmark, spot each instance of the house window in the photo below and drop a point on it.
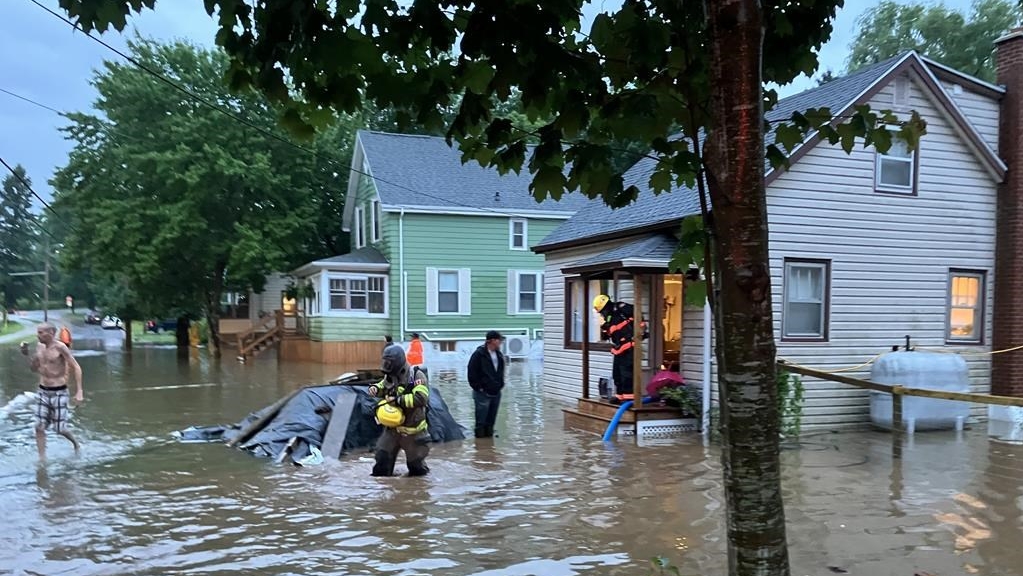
(580, 305)
(517, 234)
(525, 292)
(448, 291)
(965, 306)
(896, 170)
(805, 300)
(374, 217)
(360, 227)
(365, 294)
(446, 346)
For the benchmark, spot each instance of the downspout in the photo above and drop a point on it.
(402, 296)
(705, 426)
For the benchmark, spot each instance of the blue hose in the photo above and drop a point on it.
(618, 416)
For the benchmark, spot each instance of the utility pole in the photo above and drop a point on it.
(46, 282)
(45, 273)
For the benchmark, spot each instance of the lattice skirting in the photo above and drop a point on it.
(661, 428)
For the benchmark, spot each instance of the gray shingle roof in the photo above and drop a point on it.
(652, 210)
(423, 171)
(658, 247)
(366, 255)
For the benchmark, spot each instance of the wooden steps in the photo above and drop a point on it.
(593, 415)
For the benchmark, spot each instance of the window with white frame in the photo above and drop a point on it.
(525, 292)
(805, 300)
(358, 294)
(375, 220)
(448, 291)
(895, 171)
(517, 234)
(359, 233)
(965, 306)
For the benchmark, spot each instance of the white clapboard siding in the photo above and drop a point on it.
(562, 368)
(890, 255)
(270, 298)
(981, 110)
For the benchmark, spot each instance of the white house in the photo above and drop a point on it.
(865, 248)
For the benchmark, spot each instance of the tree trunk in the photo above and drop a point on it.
(126, 324)
(745, 334)
(213, 308)
(181, 332)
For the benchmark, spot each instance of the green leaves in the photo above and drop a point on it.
(689, 255)
(179, 190)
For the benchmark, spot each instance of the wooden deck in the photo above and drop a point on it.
(594, 415)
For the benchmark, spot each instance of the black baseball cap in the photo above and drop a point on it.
(494, 335)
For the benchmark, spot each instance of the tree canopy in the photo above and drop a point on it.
(683, 79)
(962, 41)
(177, 201)
(18, 235)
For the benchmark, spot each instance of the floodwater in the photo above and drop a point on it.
(537, 500)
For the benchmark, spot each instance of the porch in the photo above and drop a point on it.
(637, 273)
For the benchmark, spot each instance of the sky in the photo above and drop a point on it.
(47, 61)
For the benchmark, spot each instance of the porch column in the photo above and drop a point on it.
(637, 354)
(585, 335)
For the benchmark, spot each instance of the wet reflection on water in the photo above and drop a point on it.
(538, 499)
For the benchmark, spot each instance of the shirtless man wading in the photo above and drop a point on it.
(52, 360)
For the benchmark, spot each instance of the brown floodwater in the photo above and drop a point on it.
(539, 499)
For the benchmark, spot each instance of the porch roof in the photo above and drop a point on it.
(367, 259)
(651, 253)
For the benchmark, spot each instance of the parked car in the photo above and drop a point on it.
(92, 317)
(110, 322)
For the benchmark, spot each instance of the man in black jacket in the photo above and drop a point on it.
(486, 378)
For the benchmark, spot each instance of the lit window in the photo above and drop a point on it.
(965, 306)
(804, 314)
(895, 169)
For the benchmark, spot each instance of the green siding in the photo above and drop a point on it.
(343, 329)
(479, 243)
(364, 196)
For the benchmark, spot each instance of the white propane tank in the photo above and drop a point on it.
(926, 371)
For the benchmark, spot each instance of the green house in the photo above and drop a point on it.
(439, 248)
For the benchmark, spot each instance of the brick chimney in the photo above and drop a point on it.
(1007, 369)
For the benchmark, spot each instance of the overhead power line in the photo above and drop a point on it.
(31, 101)
(28, 186)
(277, 137)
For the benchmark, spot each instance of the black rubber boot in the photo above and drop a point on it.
(481, 431)
(418, 468)
(384, 465)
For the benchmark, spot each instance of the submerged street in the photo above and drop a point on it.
(538, 499)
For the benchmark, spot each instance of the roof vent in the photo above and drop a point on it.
(497, 196)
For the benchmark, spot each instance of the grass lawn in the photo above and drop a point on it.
(11, 328)
(140, 336)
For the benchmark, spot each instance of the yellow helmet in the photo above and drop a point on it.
(389, 415)
(600, 301)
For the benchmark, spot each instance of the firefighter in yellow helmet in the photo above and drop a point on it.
(407, 388)
(618, 326)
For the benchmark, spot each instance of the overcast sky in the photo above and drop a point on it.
(43, 59)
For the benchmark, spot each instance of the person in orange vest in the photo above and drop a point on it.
(65, 336)
(618, 326)
(415, 351)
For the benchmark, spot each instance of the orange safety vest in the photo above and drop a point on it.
(65, 336)
(415, 352)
